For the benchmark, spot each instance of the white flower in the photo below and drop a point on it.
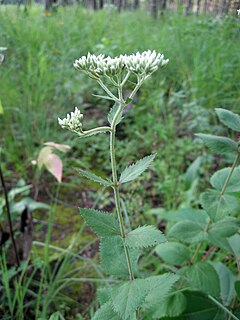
(145, 63)
(141, 64)
(72, 121)
(238, 12)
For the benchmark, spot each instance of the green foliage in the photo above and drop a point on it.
(202, 277)
(219, 205)
(173, 253)
(144, 237)
(92, 176)
(113, 112)
(188, 231)
(106, 312)
(103, 224)
(113, 257)
(133, 171)
(129, 296)
(219, 178)
(230, 119)
(217, 144)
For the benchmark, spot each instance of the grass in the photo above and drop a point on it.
(39, 83)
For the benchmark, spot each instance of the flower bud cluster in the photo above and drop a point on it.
(145, 63)
(72, 121)
(141, 64)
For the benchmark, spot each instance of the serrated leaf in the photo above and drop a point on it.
(144, 237)
(103, 295)
(219, 178)
(113, 112)
(103, 224)
(202, 277)
(221, 145)
(219, 206)
(188, 232)
(173, 253)
(159, 288)
(230, 119)
(92, 176)
(106, 313)
(226, 278)
(113, 258)
(128, 297)
(172, 306)
(133, 171)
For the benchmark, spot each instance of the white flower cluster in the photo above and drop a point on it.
(145, 63)
(72, 121)
(141, 64)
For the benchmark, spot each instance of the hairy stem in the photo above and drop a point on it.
(9, 217)
(116, 188)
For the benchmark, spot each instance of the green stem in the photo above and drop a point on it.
(116, 190)
(94, 131)
(223, 307)
(230, 173)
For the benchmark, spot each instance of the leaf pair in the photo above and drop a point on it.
(127, 297)
(129, 174)
(223, 145)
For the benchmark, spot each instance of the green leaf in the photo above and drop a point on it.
(172, 306)
(56, 316)
(218, 206)
(173, 253)
(199, 307)
(94, 177)
(103, 97)
(192, 172)
(217, 144)
(198, 216)
(103, 295)
(237, 288)
(106, 313)
(133, 171)
(230, 119)
(234, 242)
(224, 228)
(1, 107)
(219, 178)
(113, 257)
(159, 288)
(188, 232)
(32, 205)
(103, 224)
(127, 297)
(202, 277)
(226, 278)
(144, 237)
(113, 112)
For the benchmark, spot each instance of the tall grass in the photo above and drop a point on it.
(38, 82)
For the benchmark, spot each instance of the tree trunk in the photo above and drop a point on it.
(101, 3)
(48, 5)
(136, 4)
(198, 6)
(154, 8)
(189, 7)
